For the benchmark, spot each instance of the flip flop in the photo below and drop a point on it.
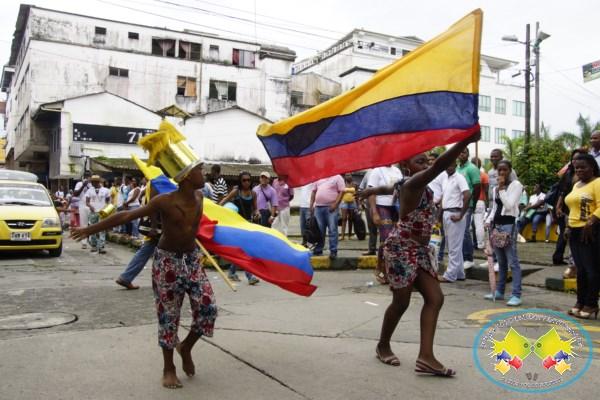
(126, 285)
(392, 360)
(424, 368)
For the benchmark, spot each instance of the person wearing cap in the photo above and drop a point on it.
(96, 199)
(266, 200)
(176, 269)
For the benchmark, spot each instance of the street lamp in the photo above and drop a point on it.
(539, 38)
(527, 43)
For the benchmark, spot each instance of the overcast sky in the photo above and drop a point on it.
(313, 25)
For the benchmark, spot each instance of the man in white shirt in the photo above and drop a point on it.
(81, 188)
(305, 194)
(455, 203)
(96, 199)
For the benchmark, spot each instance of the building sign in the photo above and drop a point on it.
(591, 71)
(108, 134)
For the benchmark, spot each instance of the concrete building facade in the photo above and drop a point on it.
(57, 56)
(357, 56)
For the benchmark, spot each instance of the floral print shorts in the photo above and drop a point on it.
(174, 275)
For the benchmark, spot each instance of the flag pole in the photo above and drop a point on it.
(216, 265)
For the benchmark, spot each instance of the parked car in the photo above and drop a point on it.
(28, 219)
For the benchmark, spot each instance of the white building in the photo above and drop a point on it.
(57, 57)
(358, 55)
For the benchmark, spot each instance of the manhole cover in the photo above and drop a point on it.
(36, 320)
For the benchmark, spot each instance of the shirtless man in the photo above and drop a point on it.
(176, 269)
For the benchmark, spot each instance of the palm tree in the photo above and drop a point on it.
(572, 140)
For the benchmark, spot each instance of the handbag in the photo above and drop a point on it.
(500, 240)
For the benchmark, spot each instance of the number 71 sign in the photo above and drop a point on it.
(108, 134)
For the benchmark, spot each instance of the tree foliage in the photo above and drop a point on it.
(538, 164)
(573, 140)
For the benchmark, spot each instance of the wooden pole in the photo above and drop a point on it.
(216, 265)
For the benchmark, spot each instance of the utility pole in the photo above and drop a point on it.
(527, 88)
(536, 51)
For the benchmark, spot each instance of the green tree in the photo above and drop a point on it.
(545, 158)
(573, 140)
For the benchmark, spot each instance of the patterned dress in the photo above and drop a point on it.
(402, 255)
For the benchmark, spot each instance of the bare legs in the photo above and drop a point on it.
(433, 297)
(184, 349)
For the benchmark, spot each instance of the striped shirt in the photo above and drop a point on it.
(219, 189)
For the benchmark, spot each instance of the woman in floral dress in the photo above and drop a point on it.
(409, 261)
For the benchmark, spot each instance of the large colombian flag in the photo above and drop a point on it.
(262, 251)
(425, 99)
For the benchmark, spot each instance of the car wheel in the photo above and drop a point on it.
(56, 252)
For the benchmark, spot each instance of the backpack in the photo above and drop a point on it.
(312, 233)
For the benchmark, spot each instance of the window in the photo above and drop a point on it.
(500, 106)
(485, 133)
(324, 97)
(518, 108)
(517, 134)
(163, 47)
(121, 72)
(243, 58)
(499, 135)
(297, 98)
(133, 35)
(213, 52)
(405, 52)
(186, 86)
(100, 30)
(485, 103)
(393, 51)
(222, 90)
(189, 50)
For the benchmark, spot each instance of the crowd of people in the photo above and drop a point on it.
(404, 205)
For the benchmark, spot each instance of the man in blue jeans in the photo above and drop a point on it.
(325, 199)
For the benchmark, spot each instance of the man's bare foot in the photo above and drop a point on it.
(186, 356)
(170, 380)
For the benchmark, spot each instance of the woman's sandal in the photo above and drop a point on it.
(392, 360)
(381, 278)
(424, 368)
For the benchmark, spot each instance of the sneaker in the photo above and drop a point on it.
(234, 278)
(496, 296)
(93, 249)
(332, 256)
(102, 251)
(84, 246)
(468, 265)
(253, 281)
(514, 301)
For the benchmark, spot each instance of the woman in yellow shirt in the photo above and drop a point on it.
(348, 205)
(584, 234)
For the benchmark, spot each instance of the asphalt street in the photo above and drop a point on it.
(268, 344)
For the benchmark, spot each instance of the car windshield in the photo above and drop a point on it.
(25, 195)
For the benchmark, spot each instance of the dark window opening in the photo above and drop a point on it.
(190, 51)
(163, 47)
(393, 51)
(222, 90)
(186, 86)
(133, 35)
(121, 72)
(100, 30)
(243, 58)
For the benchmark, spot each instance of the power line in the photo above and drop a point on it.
(240, 19)
(571, 80)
